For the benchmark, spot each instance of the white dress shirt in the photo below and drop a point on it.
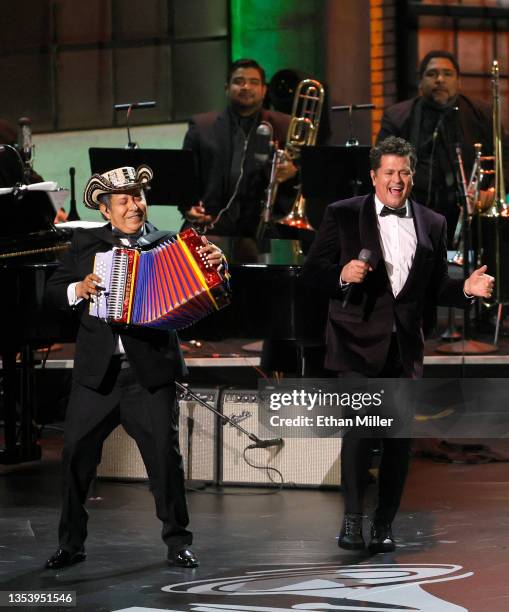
(399, 243)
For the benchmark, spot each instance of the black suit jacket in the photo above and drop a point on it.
(475, 125)
(154, 355)
(209, 136)
(358, 336)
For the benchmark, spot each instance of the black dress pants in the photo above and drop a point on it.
(356, 457)
(151, 418)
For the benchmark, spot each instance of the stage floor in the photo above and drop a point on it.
(265, 550)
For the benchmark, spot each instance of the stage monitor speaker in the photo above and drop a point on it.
(303, 462)
(121, 459)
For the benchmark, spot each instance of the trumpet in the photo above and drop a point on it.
(303, 131)
(474, 199)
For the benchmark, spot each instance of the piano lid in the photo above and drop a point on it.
(26, 226)
(24, 214)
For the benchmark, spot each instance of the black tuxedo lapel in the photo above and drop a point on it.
(368, 230)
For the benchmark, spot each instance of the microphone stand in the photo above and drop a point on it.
(466, 346)
(129, 107)
(73, 211)
(270, 195)
(257, 442)
(451, 333)
(352, 140)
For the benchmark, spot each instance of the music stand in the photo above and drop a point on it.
(174, 181)
(26, 215)
(332, 173)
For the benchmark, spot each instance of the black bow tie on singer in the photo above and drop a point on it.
(386, 210)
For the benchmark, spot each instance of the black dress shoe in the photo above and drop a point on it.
(184, 557)
(382, 539)
(350, 536)
(63, 558)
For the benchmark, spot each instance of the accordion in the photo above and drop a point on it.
(169, 287)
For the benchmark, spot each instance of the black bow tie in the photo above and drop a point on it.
(132, 238)
(386, 210)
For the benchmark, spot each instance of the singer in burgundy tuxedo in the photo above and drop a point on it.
(224, 144)
(377, 330)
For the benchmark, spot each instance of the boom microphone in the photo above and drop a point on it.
(364, 256)
(25, 138)
(262, 142)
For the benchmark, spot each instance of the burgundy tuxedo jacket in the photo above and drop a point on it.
(358, 336)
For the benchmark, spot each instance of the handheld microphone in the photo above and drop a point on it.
(266, 443)
(25, 138)
(263, 141)
(364, 256)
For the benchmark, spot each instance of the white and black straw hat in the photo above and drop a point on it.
(115, 181)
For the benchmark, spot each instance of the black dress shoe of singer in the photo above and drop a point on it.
(350, 536)
(382, 539)
(63, 558)
(184, 557)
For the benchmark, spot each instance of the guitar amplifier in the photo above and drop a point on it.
(304, 462)
(121, 459)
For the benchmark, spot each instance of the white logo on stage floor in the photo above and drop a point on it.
(370, 588)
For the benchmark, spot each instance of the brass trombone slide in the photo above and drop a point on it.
(303, 131)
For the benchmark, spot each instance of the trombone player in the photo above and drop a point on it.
(230, 151)
(434, 122)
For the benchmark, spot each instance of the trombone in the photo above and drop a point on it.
(302, 131)
(492, 203)
(499, 206)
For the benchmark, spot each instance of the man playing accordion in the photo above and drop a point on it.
(121, 374)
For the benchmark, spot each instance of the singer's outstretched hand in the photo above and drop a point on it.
(479, 284)
(355, 271)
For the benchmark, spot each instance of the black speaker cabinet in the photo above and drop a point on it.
(121, 459)
(303, 462)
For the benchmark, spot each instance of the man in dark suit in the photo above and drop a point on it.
(435, 122)
(377, 330)
(232, 180)
(121, 375)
